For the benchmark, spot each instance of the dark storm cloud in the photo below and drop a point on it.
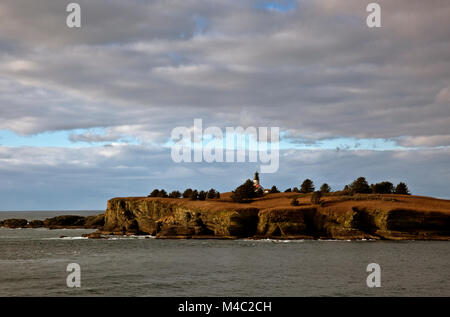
(320, 66)
(140, 68)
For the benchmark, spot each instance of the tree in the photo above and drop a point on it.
(211, 193)
(187, 193)
(288, 190)
(244, 192)
(295, 190)
(256, 176)
(217, 195)
(402, 189)
(307, 186)
(194, 195)
(154, 193)
(315, 198)
(382, 188)
(294, 202)
(360, 186)
(346, 190)
(325, 188)
(274, 190)
(175, 194)
(202, 195)
(162, 193)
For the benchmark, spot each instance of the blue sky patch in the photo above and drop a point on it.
(279, 6)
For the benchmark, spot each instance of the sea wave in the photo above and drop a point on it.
(66, 238)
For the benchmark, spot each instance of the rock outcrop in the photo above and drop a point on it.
(335, 218)
(173, 219)
(14, 223)
(59, 222)
(392, 217)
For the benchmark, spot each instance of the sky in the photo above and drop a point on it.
(86, 113)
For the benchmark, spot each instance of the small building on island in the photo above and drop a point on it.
(257, 185)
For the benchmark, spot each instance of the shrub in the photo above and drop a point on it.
(154, 193)
(382, 188)
(315, 198)
(360, 186)
(294, 202)
(307, 186)
(274, 190)
(402, 189)
(175, 194)
(187, 193)
(244, 192)
(325, 188)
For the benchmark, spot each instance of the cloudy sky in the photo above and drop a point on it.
(86, 114)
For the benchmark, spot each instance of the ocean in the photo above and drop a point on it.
(33, 262)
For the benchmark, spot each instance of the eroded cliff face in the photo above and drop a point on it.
(172, 220)
(168, 218)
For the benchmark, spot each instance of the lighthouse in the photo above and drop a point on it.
(256, 184)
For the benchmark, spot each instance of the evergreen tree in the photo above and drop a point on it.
(244, 192)
(346, 190)
(194, 195)
(175, 194)
(402, 189)
(154, 193)
(288, 190)
(211, 193)
(382, 188)
(202, 195)
(360, 186)
(307, 186)
(274, 190)
(162, 193)
(325, 188)
(187, 193)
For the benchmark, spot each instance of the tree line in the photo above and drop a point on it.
(358, 186)
(246, 192)
(188, 193)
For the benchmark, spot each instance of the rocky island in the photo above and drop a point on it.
(58, 222)
(362, 216)
(344, 217)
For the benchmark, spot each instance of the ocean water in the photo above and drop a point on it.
(33, 262)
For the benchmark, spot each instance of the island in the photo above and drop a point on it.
(361, 216)
(359, 212)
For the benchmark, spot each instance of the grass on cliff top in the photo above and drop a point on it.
(329, 201)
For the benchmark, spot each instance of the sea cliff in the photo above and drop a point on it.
(392, 217)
